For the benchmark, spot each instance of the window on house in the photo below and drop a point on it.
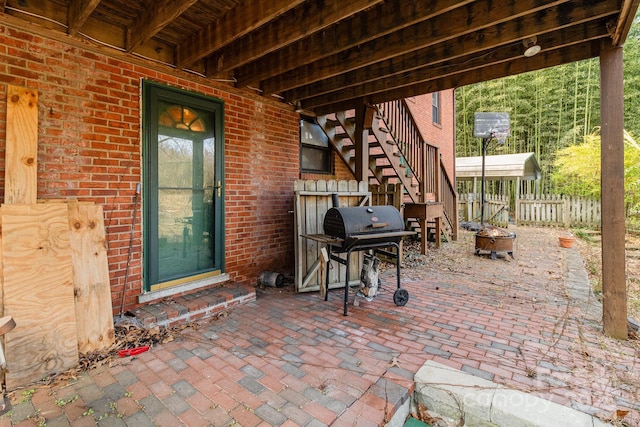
(435, 110)
(315, 152)
(183, 188)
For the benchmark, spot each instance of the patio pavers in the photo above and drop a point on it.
(289, 359)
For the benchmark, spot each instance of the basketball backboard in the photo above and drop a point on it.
(490, 125)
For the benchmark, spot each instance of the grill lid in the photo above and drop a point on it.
(349, 222)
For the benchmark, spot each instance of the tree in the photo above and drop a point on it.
(577, 170)
(550, 109)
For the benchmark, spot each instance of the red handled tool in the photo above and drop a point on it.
(133, 351)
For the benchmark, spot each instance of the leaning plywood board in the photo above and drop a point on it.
(91, 277)
(20, 182)
(38, 292)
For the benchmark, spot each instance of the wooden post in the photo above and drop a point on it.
(614, 289)
(362, 144)
(438, 172)
(517, 201)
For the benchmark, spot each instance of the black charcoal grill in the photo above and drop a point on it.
(371, 225)
(360, 228)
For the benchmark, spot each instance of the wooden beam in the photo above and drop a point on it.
(78, 12)
(21, 151)
(236, 23)
(288, 28)
(448, 26)
(614, 287)
(383, 76)
(155, 17)
(543, 60)
(627, 14)
(344, 35)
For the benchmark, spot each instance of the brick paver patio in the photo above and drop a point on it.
(287, 359)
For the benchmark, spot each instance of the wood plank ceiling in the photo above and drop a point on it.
(330, 55)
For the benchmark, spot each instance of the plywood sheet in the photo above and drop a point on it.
(21, 146)
(38, 291)
(92, 290)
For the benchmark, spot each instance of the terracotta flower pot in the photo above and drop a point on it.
(566, 242)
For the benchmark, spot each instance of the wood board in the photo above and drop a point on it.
(92, 290)
(312, 200)
(38, 291)
(20, 181)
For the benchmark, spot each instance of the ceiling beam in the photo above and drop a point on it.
(311, 17)
(236, 23)
(386, 17)
(627, 14)
(474, 47)
(552, 58)
(78, 12)
(154, 18)
(460, 21)
(486, 59)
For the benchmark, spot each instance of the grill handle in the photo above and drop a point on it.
(379, 225)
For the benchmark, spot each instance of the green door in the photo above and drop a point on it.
(183, 187)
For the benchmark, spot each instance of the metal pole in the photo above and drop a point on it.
(131, 236)
(484, 154)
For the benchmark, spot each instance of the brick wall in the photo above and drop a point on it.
(442, 135)
(89, 149)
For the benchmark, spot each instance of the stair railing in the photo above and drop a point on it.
(423, 158)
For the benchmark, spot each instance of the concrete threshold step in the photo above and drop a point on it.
(194, 306)
(454, 395)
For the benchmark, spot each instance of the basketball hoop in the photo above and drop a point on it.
(501, 135)
(489, 126)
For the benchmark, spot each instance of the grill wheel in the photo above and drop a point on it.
(400, 297)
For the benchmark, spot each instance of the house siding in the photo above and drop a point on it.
(89, 149)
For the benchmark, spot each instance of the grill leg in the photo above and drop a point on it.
(397, 262)
(346, 284)
(326, 279)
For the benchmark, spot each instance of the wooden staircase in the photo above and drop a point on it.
(400, 157)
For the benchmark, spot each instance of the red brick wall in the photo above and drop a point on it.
(89, 149)
(442, 135)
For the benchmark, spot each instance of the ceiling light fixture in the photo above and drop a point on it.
(531, 46)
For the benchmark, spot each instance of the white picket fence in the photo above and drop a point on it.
(545, 210)
(496, 209)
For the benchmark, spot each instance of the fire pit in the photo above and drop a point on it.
(493, 240)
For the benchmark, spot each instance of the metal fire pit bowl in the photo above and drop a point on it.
(494, 244)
